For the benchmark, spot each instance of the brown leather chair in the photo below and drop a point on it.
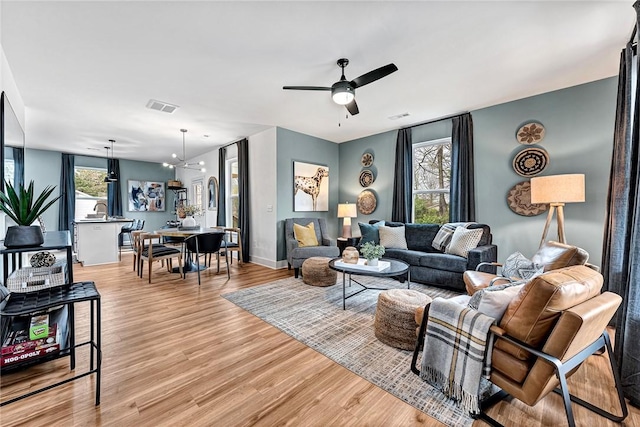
(553, 255)
(556, 321)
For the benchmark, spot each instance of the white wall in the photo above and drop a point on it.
(188, 176)
(263, 196)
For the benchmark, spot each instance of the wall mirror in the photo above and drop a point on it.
(212, 198)
(11, 135)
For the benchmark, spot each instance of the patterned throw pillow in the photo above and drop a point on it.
(42, 259)
(370, 232)
(392, 237)
(494, 300)
(463, 240)
(519, 266)
(305, 235)
(445, 233)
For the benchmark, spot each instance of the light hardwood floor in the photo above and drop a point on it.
(178, 354)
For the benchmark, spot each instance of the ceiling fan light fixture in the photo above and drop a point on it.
(182, 161)
(342, 93)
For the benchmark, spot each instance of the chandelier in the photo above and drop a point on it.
(181, 162)
(111, 175)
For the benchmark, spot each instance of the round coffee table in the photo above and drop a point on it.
(395, 268)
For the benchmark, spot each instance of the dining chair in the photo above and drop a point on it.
(233, 242)
(155, 251)
(137, 249)
(207, 244)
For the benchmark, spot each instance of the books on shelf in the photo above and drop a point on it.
(362, 265)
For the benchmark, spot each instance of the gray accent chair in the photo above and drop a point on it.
(296, 255)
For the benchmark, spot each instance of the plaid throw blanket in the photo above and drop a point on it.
(444, 235)
(454, 351)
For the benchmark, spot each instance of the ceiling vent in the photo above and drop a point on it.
(161, 106)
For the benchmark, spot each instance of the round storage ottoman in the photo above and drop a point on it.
(395, 323)
(316, 272)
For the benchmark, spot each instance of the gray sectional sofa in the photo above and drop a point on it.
(432, 267)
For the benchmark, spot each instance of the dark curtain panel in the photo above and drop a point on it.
(222, 175)
(114, 189)
(402, 187)
(18, 167)
(620, 255)
(462, 204)
(243, 196)
(68, 192)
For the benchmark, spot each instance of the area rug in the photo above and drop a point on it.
(314, 316)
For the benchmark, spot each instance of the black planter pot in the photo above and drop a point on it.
(23, 236)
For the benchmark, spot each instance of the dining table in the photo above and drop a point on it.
(184, 232)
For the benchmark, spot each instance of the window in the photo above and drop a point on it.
(431, 181)
(233, 201)
(90, 190)
(9, 168)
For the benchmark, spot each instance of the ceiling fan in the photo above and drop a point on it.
(343, 91)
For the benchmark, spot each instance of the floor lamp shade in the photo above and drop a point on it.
(347, 211)
(556, 190)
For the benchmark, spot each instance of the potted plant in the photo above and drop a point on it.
(190, 211)
(24, 208)
(372, 252)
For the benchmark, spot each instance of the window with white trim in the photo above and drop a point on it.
(431, 181)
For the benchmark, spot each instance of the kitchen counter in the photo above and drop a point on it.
(97, 240)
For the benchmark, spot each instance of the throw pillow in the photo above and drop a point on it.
(370, 232)
(494, 300)
(392, 237)
(42, 259)
(445, 233)
(305, 235)
(519, 266)
(463, 240)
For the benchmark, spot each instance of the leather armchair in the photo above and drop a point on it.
(553, 255)
(296, 255)
(555, 322)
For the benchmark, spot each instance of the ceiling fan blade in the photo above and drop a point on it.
(352, 107)
(374, 75)
(305, 88)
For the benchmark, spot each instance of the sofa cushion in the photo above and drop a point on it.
(392, 237)
(406, 255)
(305, 235)
(420, 236)
(486, 233)
(370, 232)
(310, 251)
(463, 241)
(446, 262)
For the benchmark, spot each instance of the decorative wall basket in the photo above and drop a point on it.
(530, 133)
(531, 161)
(366, 160)
(367, 202)
(366, 178)
(519, 200)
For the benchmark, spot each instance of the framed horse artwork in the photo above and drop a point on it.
(310, 187)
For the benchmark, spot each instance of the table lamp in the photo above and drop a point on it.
(556, 190)
(346, 211)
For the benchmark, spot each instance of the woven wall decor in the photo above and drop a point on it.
(366, 160)
(367, 202)
(519, 200)
(531, 161)
(366, 178)
(530, 133)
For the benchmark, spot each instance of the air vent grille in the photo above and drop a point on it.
(161, 106)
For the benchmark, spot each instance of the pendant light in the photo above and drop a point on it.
(182, 163)
(111, 175)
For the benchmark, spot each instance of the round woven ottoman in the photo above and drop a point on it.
(316, 272)
(395, 323)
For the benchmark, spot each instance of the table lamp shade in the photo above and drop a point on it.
(346, 210)
(558, 189)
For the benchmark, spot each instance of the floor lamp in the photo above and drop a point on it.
(556, 190)
(346, 211)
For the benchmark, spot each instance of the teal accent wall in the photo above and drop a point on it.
(579, 124)
(293, 146)
(44, 168)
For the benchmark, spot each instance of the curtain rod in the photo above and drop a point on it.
(428, 122)
(232, 143)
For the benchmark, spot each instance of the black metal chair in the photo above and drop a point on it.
(136, 225)
(206, 244)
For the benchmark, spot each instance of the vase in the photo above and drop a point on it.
(23, 236)
(350, 255)
(189, 221)
(372, 262)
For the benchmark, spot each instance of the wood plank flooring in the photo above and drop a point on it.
(177, 354)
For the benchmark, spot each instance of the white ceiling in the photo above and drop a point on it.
(87, 69)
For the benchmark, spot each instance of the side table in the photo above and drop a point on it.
(343, 242)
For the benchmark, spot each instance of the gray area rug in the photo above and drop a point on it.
(314, 316)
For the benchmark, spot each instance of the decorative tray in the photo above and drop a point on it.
(361, 265)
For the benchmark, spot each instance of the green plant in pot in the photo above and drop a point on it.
(23, 207)
(372, 252)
